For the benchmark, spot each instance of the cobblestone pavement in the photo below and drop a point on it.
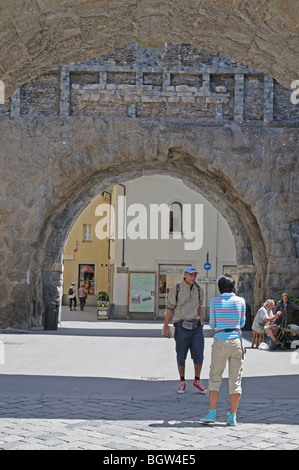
(103, 424)
(71, 389)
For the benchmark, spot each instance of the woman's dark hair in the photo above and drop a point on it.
(226, 283)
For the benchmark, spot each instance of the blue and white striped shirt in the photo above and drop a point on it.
(227, 311)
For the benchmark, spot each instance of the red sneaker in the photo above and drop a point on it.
(199, 385)
(182, 387)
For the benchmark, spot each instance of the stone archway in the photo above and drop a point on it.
(248, 170)
(55, 167)
(41, 34)
(250, 250)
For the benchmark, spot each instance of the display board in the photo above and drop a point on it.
(142, 292)
(102, 310)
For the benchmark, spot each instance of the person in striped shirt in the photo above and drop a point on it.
(227, 317)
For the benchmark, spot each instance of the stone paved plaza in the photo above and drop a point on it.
(87, 423)
(111, 385)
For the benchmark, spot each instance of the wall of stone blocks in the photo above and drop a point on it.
(227, 130)
(174, 82)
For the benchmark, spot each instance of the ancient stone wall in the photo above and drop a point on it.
(176, 81)
(38, 35)
(226, 130)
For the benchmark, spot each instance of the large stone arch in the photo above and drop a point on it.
(38, 35)
(53, 167)
(250, 249)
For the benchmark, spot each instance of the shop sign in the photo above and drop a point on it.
(103, 310)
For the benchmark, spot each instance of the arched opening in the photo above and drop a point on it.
(241, 166)
(161, 237)
(217, 189)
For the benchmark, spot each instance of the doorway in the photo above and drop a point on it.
(86, 277)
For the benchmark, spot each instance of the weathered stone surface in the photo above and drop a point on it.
(39, 34)
(120, 148)
(134, 112)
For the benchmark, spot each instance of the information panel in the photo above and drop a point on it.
(142, 292)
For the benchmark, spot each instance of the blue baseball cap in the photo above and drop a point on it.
(190, 270)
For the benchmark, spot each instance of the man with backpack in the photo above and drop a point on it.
(185, 308)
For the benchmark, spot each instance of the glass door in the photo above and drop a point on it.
(86, 277)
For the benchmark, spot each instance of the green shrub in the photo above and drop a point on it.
(103, 296)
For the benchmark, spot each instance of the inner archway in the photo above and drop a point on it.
(154, 224)
(250, 250)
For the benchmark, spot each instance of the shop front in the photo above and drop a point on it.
(87, 277)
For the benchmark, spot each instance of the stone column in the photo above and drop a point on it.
(239, 97)
(219, 111)
(166, 80)
(206, 81)
(268, 98)
(103, 77)
(132, 109)
(139, 78)
(65, 93)
(15, 103)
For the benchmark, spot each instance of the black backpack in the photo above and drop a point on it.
(71, 291)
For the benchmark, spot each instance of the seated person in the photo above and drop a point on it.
(264, 320)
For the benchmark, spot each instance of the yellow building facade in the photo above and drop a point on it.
(86, 258)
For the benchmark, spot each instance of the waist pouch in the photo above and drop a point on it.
(190, 325)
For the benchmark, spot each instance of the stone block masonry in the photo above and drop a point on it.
(39, 35)
(156, 83)
(228, 131)
(176, 101)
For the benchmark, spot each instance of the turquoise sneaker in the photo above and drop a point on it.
(210, 418)
(232, 419)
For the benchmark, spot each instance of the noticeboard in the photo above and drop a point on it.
(142, 292)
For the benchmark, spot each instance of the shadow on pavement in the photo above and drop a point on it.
(108, 398)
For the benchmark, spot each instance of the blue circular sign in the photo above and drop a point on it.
(207, 266)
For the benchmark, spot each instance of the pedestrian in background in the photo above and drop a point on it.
(72, 296)
(266, 322)
(82, 294)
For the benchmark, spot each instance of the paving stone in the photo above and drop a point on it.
(124, 433)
